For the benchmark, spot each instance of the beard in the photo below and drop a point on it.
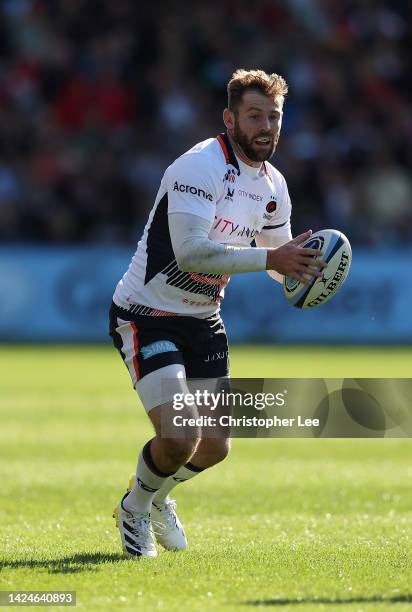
(246, 144)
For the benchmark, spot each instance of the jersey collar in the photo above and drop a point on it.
(230, 157)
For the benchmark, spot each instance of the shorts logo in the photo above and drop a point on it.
(271, 206)
(193, 190)
(216, 356)
(161, 346)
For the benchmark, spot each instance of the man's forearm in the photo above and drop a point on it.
(195, 252)
(204, 255)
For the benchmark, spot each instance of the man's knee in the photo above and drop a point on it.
(169, 450)
(179, 450)
(221, 449)
(214, 450)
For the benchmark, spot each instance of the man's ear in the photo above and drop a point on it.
(229, 119)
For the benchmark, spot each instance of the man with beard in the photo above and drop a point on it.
(213, 202)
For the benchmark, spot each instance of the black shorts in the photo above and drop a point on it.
(148, 343)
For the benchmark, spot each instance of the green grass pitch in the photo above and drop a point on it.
(281, 524)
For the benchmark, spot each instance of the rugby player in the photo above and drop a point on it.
(213, 201)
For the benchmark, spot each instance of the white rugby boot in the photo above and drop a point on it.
(167, 528)
(136, 532)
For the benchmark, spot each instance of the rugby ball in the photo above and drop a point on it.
(337, 253)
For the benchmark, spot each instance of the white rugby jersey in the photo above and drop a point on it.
(239, 201)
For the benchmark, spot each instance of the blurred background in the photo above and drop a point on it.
(97, 97)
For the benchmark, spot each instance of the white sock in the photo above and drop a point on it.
(147, 483)
(185, 472)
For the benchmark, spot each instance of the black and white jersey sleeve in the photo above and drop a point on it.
(194, 185)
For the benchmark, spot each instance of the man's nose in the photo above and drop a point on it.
(267, 124)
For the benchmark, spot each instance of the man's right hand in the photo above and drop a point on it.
(293, 260)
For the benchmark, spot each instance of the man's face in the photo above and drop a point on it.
(256, 125)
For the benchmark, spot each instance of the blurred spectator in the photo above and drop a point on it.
(385, 195)
(98, 97)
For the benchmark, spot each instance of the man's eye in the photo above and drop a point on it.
(254, 116)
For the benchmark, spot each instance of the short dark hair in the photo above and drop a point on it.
(270, 85)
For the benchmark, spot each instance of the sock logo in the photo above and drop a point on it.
(179, 479)
(145, 487)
